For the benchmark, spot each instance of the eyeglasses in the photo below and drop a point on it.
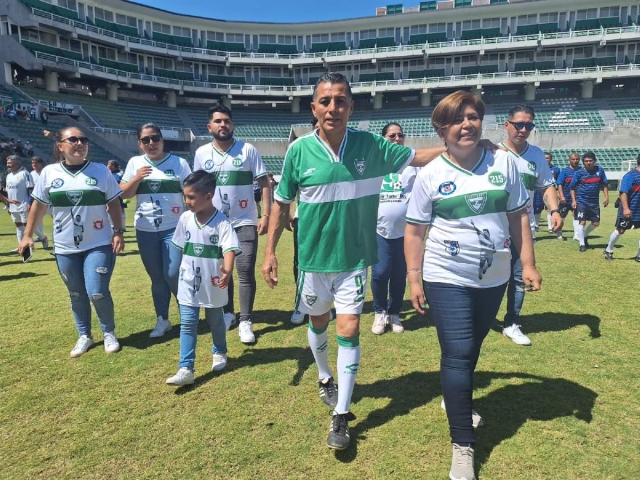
(147, 140)
(528, 126)
(393, 136)
(75, 140)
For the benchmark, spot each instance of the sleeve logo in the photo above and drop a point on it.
(57, 183)
(213, 239)
(497, 179)
(91, 181)
(447, 188)
(532, 166)
(208, 165)
(237, 162)
(187, 235)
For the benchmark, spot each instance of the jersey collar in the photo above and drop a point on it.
(458, 167)
(327, 149)
(86, 164)
(516, 153)
(200, 227)
(157, 163)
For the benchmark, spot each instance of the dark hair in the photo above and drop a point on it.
(37, 160)
(389, 125)
(58, 156)
(332, 77)
(522, 108)
(450, 106)
(14, 158)
(201, 181)
(150, 125)
(574, 153)
(114, 162)
(219, 108)
(550, 155)
(589, 155)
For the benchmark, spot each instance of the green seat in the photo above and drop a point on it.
(488, 68)
(609, 22)
(367, 77)
(418, 39)
(605, 61)
(436, 37)
(583, 62)
(471, 34)
(490, 32)
(587, 24)
(469, 70)
(549, 65)
(384, 76)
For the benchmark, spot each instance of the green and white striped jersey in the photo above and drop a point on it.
(338, 197)
(468, 242)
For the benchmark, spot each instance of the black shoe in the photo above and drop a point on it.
(328, 391)
(608, 255)
(583, 248)
(586, 242)
(338, 438)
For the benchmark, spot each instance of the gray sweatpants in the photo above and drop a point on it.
(246, 268)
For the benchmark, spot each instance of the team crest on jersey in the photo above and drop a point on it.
(476, 201)
(208, 165)
(170, 173)
(91, 181)
(243, 203)
(360, 166)
(311, 299)
(213, 239)
(198, 248)
(237, 162)
(532, 166)
(57, 183)
(447, 188)
(187, 235)
(154, 185)
(176, 210)
(223, 177)
(75, 197)
(497, 179)
(98, 225)
(452, 247)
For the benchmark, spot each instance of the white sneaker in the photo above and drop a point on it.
(219, 362)
(515, 334)
(45, 242)
(83, 344)
(246, 332)
(15, 250)
(162, 327)
(297, 318)
(396, 324)
(550, 230)
(476, 419)
(229, 320)
(111, 344)
(462, 463)
(185, 376)
(379, 323)
(575, 238)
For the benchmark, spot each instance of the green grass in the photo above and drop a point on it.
(566, 408)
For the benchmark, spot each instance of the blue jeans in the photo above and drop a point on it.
(87, 275)
(515, 290)
(463, 318)
(388, 276)
(189, 333)
(161, 260)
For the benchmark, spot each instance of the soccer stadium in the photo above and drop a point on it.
(565, 408)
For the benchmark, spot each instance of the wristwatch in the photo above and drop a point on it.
(555, 210)
(118, 231)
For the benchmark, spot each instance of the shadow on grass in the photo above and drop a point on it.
(140, 340)
(19, 262)
(556, 322)
(537, 398)
(20, 276)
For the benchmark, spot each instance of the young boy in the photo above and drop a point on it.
(209, 245)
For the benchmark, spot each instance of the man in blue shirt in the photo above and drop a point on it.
(555, 171)
(585, 195)
(564, 195)
(629, 209)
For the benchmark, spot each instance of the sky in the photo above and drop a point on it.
(279, 11)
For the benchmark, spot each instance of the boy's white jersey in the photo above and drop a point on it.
(203, 248)
(78, 201)
(394, 199)
(160, 201)
(18, 185)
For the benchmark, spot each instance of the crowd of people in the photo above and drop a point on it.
(456, 222)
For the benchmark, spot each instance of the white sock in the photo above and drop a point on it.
(612, 241)
(576, 226)
(319, 343)
(40, 231)
(20, 233)
(580, 233)
(548, 221)
(589, 229)
(348, 363)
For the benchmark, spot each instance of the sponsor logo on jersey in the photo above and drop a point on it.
(176, 210)
(452, 247)
(215, 280)
(223, 177)
(198, 248)
(214, 239)
(311, 299)
(447, 188)
(154, 185)
(187, 235)
(360, 166)
(57, 183)
(91, 181)
(476, 201)
(208, 165)
(497, 179)
(532, 166)
(243, 203)
(237, 162)
(98, 225)
(170, 173)
(75, 196)
(308, 171)
(391, 184)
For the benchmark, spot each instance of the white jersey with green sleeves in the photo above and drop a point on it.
(468, 242)
(535, 173)
(338, 197)
(235, 171)
(203, 248)
(78, 205)
(394, 198)
(159, 196)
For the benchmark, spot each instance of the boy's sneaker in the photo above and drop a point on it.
(219, 362)
(162, 327)
(338, 438)
(608, 255)
(583, 248)
(586, 242)
(83, 344)
(185, 376)
(476, 419)
(462, 463)
(229, 320)
(516, 335)
(575, 238)
(328, 391)
(379, 323)
(111, 344)
(246, 332)
(297, 318)
(396, 324)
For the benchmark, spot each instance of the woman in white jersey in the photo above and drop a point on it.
(85, 245)
(473, 204)
(388, 275)
(156, 179)
(37, 165)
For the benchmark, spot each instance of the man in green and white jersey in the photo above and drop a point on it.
(338, 174)
(19, 187)
(236, 165)
(536, 174)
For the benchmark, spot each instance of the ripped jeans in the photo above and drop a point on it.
(87, 275)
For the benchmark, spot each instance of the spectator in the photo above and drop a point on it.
(12, 114)
(28, 148)
(44, 117)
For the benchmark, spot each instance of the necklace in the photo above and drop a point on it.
(224, 154)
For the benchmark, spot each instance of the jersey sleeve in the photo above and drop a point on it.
(129, 171)
(185, 170)
(288, 186)
(228, 238)
(574, 181)
(604, 180)
(421, 202)
(40, 193)
(560, 180)
(197, 162)
(395, 157)
(29, 181)
(178, 235)
(518, 196)
(626, 184)
(545, 178)
(257, 165)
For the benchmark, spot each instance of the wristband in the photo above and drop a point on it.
(555, 210)
(413, 271)
(118, 231)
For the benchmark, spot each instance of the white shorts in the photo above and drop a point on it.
(19, 217)
(316, 292)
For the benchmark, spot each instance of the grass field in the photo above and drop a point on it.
(565, 408)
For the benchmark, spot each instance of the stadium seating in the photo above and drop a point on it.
(627, 108)
(427, 38)
(377, 42)
(175, 74)
(537, 28)
(116, 27)
(173, 39)
(227, 79)
(415, 121)
(277, 48)
(273, 164)
(127, 67)
(561, 114)
(433, 72)
(277, 81)
(608, 158)
(54, 9)
(328, 46)
(51, 50)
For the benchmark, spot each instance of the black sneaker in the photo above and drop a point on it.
(608, 255)
(586, 242)
(328, 391)
(583, 248)
(338, 438)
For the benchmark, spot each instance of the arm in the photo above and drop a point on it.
(36, 214)
(605, 189)
(624, 200)
(130, 187)
(227, 268)
(425, 155)
(263, 183)
(520, 233)
(277, 221)
(561, 194)
(551, 199)
(413, 250)
(115, 210)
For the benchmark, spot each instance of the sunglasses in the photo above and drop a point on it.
(528, 126)
(75, 140)
(393, 136)
(147, 140)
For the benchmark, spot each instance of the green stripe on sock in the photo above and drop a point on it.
(350, 342)
(316, 330)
